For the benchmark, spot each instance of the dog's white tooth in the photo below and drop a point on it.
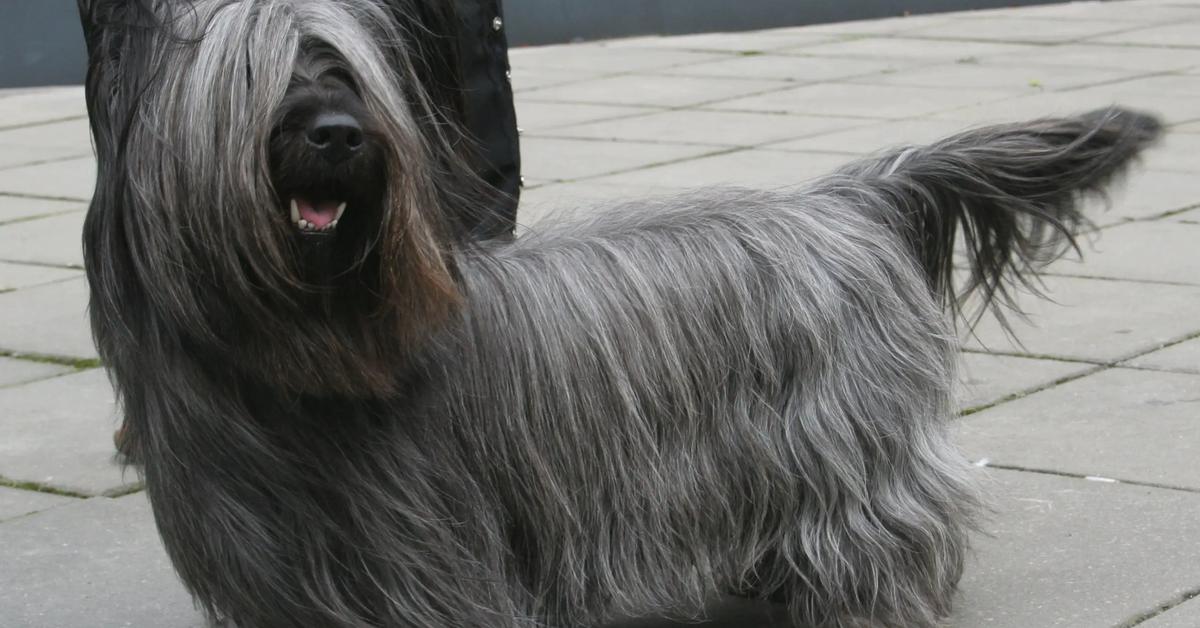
(303, 223)
(333, 224)
(295, 212)
(341, 208)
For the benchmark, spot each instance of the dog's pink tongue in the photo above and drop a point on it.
(317, 214)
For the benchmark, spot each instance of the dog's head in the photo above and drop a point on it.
(269, 187)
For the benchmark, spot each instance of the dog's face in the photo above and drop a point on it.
(270, 189)
(326, 156)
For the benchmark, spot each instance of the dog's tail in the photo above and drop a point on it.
(1014, 190)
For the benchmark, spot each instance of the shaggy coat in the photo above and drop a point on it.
(627, 414)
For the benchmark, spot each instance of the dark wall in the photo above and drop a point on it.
(41, 43)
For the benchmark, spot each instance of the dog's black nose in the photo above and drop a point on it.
(336, 136)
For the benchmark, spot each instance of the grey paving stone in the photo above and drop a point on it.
(49, 319)
(1152, 251)
(1068, 553)
(23, 107)
(1095, 319)
(868, 101)
(525, 79)
(44, 142)
(708, 127)
(1145, 60)
(1019, 29)
(788, 68)
(883, 26)
(751, 168)
(94, 564)
(985, 379)
(1148, 194)
(565, 200)
(20, 208)
(536, 116)
(53, 240)
(930, 50)
(1175, 35)
(1027, 78)
(600, 58)
(655, 90)
(1176, 152)
(1172, 107)
(59, 432)
(1186, 615)
(18, 503)
(558, 159)
(1119, 423)
(14, 276)
(741, 42)
(1183, 357)
(872, 136)
(71, 179)
(14, 371)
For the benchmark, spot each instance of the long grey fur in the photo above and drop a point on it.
(726, 391)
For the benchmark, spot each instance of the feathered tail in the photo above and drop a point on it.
(1015, 191)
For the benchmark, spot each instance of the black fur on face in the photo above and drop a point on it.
(327, 162)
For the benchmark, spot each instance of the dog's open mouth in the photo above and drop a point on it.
(316, 216)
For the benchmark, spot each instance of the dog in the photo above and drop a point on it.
(349, 415)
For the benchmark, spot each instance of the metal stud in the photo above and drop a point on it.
(497, 23)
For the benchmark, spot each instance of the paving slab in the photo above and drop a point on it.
(45, 142)
(749, 168)
(16, 503)
(1176, 152)
(873, 136)
(1147, 194)
(788, 68)
(561, 201)
(25, 107)
(54, 240)
(929, 50)
(47, 320)
(536, 116)
(1020, 30)
(14, 276)
(655, 90)
(1171, 107)
(95, 564)
(1186, 615)
(1146, 251)
(15, 371)
(1068, 553)
(985, 379)
(1017, 78)
(1092, 55)
(603, 59)
(14, 208)
(561, 159)
(725, 128)
(1095, 319)
(69, 179)
(1088, 427)
(526, 78)
(739, 42)
(58, 432)
(1174, 35)
(1183, 357)
(882, 26)
(867, 101)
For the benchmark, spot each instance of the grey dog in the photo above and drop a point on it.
(350, 415)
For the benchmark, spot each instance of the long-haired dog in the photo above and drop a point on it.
(349, 416)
